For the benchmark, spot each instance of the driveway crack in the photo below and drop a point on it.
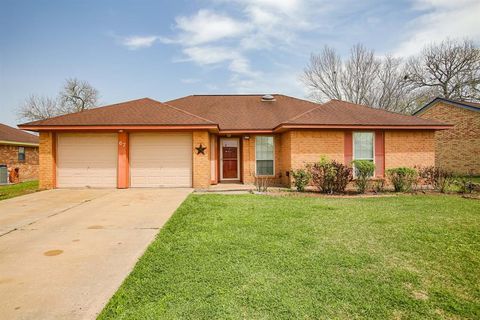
(52, 215)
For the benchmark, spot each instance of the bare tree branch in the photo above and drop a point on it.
(37, 108)
(76, 96)
(451, 68)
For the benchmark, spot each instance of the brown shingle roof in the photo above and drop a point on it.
(336, 112)
(136, 112)
(10, 134)
(244, 112)
(233, 112)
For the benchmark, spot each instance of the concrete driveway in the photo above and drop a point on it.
(63, 253)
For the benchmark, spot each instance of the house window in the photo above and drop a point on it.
(21, 153)
(363, 148)
(264, 155)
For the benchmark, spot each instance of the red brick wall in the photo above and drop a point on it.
(457, 149)
(201, 162)
(409, 148)
(28, 169)
(47, 160)
(248, 159)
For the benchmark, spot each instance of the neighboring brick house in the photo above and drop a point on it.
(201, 140)
(19, 150)
(457, 149)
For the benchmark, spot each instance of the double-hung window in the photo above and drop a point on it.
(363, 146)
(21, 153)
(264, 155)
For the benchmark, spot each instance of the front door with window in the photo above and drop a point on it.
(229, 158)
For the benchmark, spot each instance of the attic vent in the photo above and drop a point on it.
(268, 97)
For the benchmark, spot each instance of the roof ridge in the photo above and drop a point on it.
(229, 94)
(304, 113)
(188, 113)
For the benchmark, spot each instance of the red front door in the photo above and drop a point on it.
(230, 159)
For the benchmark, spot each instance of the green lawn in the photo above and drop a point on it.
(19, 189)
(261, 257)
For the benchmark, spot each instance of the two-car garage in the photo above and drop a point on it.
(155, 160)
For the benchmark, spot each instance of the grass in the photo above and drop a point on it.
(19, 189)
(261, 257)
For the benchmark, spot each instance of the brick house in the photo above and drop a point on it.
(457, 149)
(199, 140)
(19, 150)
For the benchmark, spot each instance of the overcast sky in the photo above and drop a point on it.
(168, 49)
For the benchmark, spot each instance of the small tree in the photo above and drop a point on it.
(364, 170)
(301, 178)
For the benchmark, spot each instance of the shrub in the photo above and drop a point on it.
(440, 179)
(465, 184)
(364, 170)
(379, 185)
(301, 178)
(402, 178)
(262, 183)
(330, 176)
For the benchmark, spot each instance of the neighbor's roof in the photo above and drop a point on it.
(141, 112)
(15, 136)
(473, 106)
(235, 113)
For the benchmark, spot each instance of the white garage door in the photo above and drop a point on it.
(87, 160)
(160, 160)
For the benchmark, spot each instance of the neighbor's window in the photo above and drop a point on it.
(21, 153)
(264, 155)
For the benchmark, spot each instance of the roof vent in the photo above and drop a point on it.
(268, 97)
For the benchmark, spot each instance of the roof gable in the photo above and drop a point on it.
(472, 106)
(143, 112)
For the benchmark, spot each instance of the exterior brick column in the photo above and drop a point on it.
(47, 160)
(123, 173)
(379, 153)
(201, 162)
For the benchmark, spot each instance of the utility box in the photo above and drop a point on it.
(3, 174)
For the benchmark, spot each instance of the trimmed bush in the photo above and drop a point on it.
(379, 185)
(402, 178)
(301, 178)
(330, 176)
(364, 170)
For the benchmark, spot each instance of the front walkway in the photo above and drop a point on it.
(63, 253)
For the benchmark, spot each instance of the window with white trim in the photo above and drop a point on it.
(363, 146)
(264, 155)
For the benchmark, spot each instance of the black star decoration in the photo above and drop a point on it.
(201, 149)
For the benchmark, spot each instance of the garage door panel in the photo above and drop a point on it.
(160, 160)
(87, 160)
